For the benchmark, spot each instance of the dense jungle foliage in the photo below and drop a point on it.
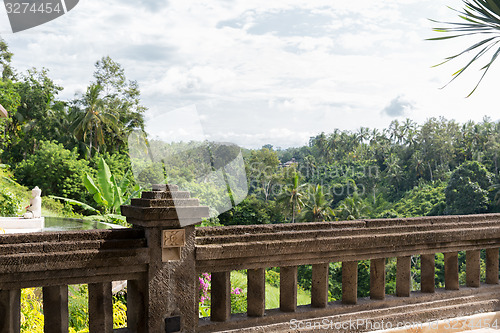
(408, 169)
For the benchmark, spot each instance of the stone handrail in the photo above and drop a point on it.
(163, 254)
(219, 250)
(54, 260)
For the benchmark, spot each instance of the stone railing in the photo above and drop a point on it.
(219, 250)
(161, 259)
(158, 292)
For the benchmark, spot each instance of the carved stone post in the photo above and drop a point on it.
(377, 278)
(55, 309)
(427, 272)
(10, 311)
(169, 293)
(492, 266)
(288, 288)
(319, 287)
(349, 282)
(403, 276)
(451, 271)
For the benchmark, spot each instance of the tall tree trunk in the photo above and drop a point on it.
(91, 138)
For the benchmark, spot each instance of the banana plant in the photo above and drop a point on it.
(108, 193)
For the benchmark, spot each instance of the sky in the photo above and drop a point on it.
(264, 72)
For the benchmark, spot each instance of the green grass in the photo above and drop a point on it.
(239, 280)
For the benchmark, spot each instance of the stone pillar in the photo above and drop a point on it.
(377, 278)
(427, 272)
(451, 271)
(473, 268)
(319, 287)
(220, 306)
(492, 266)
(137, 295)
(170, 289)
(100, 308)
(349, 282)
(55, 309)
(10, 311)
(288, 288)
(256, 292)
(403, 276)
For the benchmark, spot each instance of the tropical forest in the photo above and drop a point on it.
(78, 152)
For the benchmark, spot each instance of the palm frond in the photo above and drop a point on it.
(480, 17)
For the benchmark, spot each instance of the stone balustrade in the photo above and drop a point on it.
(161, 259)
(219, 250)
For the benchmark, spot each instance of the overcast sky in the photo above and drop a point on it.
(263, 71)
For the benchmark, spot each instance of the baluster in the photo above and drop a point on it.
(377, 278)
(137, 291)
(256, 292)
(492, 266)
(220, 307)
(427, 272)
(10, 311)
(473, 268)
(100, 307)
(288, 288)
(349, 282)
(55, 309)
(319, 287)
(403, 276)
(451, 271)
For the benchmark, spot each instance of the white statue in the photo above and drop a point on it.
(34, 210)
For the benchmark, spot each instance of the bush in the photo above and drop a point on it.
(56, 170)
(10, 204)
(468, 189)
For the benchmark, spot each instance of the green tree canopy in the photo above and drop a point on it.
(56, 170)
(468, 189)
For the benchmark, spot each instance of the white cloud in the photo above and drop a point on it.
(262, 70)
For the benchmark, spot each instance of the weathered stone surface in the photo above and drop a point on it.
(319, 285)
(100, 307)
(492, 266)
(427, 273)
(55, 309)
(164, 202)
(288, 288)
(221, 297)
(165, 195)
(165, 187)
(377, 279)
(164, 213)
(451, 271)
(403, 276)
(473, 268)
(256, 292)
(10, 311)
(350, 282)
(420, 308)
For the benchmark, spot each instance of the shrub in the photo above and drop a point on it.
(467, 190)
(56, 170)
(10, 204)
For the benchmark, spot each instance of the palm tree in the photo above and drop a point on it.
(481, 17)
(89, 124)
(352, 208)
(292, 196)
(317, 206)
